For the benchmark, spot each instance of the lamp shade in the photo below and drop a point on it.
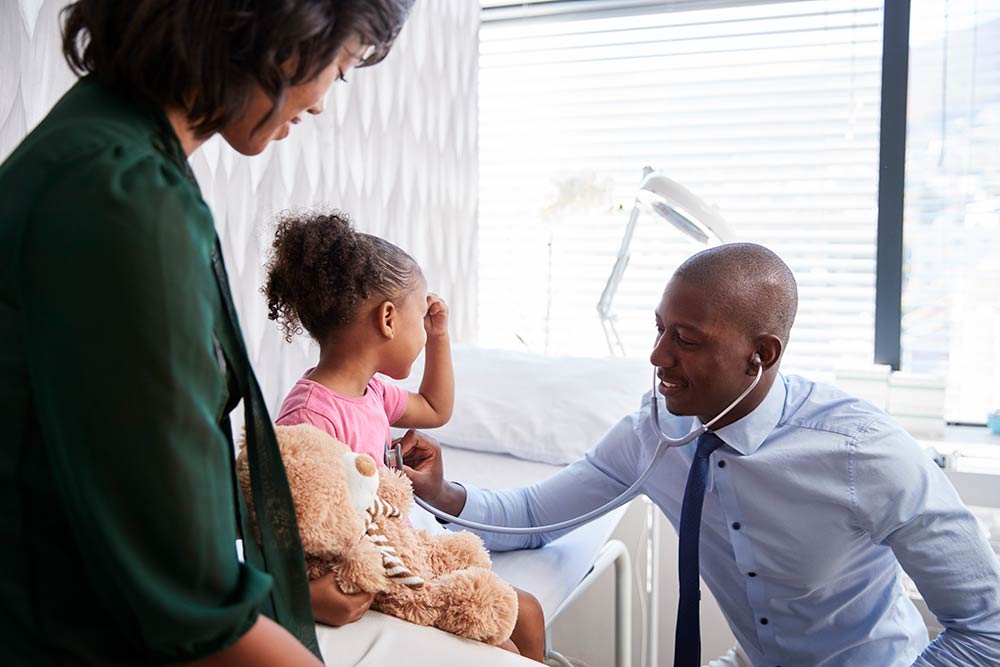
(671, 201)
(680, 207)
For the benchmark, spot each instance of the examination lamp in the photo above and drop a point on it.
(674, 203)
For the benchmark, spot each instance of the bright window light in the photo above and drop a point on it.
(768, 111)
(951, 232)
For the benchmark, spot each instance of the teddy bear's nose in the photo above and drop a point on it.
(365, 465)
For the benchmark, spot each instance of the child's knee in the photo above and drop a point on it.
(529, 610)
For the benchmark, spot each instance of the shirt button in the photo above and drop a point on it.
(736, 525)
(763, 621)
(722, 464)
(751, 574)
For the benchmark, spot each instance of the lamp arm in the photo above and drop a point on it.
(611, 287)
(678, 206)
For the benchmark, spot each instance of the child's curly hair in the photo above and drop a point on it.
(321, 269)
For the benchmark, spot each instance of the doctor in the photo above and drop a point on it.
(806, 504)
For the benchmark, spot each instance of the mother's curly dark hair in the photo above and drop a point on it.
(206, 55)
(321, 269)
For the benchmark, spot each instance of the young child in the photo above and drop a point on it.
(365, 302)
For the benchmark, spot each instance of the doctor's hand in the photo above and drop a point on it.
(332, 606)
(423, 464)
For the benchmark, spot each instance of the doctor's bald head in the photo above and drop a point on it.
(750, 285)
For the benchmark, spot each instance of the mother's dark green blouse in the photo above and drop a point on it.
(118, 506)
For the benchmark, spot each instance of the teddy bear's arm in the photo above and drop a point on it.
(447, 552)
(361, 569)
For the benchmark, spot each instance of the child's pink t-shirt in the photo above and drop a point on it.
(362, 423)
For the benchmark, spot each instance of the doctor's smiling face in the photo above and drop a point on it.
(722, 306)
(701, 356)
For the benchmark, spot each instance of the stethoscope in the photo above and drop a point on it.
(394, 458)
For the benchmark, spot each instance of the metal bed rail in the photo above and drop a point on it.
(616, 554)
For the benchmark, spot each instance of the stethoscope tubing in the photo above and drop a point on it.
(665, 443)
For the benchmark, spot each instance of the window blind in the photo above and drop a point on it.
(767, 110)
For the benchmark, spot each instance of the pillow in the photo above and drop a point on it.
(535, 407)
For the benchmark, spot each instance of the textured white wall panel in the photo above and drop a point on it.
(396, 148)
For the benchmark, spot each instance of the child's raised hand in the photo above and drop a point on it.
(436, 319)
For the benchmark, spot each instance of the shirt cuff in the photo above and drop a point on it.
(474, 509)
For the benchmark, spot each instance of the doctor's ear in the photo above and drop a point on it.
(387, 319)
(767, 352)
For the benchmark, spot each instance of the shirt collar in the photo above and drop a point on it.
(746, 435)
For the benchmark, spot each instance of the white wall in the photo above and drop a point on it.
(396, 148)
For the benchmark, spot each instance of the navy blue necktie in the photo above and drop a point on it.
(687, 640)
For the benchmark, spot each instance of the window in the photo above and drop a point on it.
(951, 232)
(768, 110)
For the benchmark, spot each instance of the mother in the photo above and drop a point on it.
(120, 353)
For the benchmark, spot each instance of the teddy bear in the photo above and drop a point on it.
(353, 521)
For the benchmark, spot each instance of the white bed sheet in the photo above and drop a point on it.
(378, 640)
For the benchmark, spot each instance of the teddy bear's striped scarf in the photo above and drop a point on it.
(394, 568)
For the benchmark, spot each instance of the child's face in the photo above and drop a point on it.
(410, 336)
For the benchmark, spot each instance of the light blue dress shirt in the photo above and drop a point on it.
(815, 506)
